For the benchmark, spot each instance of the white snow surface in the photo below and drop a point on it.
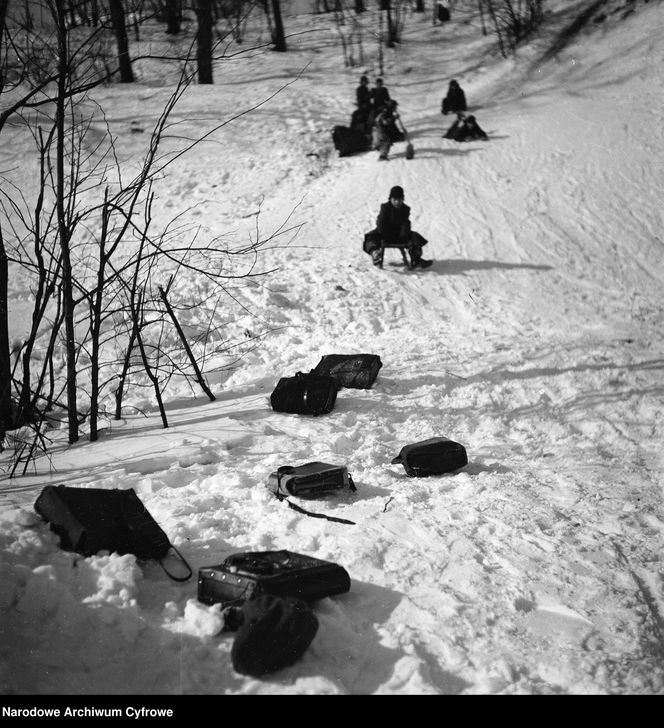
(535, 340)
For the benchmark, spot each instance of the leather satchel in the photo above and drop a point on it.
(89, 520)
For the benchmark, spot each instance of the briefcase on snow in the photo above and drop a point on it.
(304, 394)
(248, 575)
(432, 457)
(357, 371)
(310, 480)
(89, 520)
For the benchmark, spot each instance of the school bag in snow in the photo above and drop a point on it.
(248, 575)
(310, 480)
(275, 633)
(89, 520)
(357, 371)
(304, 394)
(432, 457)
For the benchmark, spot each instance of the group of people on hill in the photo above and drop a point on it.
(376, 116)
(393, 222)
(377, 120)
(464, 128)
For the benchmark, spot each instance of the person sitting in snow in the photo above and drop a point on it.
(466, 129)
(455, 100)
(393, 227)
(385, 131)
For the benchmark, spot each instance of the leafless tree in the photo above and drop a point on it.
(103, 320)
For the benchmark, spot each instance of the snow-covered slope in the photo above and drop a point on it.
(535, 339)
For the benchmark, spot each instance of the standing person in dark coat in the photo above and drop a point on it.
(393, 226)
(379, 95)
(363, 94)
(455, 100)
(360, 118)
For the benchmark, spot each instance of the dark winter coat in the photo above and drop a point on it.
(455, 100)
(393, 223)
(363, 97)
(379, 96)
(385, 131)
(466, 130)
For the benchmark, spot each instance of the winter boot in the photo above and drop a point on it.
(421, 263)
(377, 257)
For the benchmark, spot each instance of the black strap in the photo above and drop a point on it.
(183, 560)
(312, 514)
(283, 497)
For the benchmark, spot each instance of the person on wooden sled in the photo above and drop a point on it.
(393, 228)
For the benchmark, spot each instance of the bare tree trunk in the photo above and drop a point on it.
(380, 43)
(95, 13)
(185, 343)
(279, 37)
(204, 41)
(359, 6)
(480, 4)
(119, 392)
(3, 15)
(95, 324)
(148, 369)
(496, 23)
(118, 20)
(391, 28)
(172, 17)
(5, 362)
(63, 231)
(419, 6)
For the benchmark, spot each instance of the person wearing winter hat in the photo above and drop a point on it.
(455, 100)
(393, 228)
(385, 130)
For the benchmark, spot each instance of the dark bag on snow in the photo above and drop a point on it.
(89, 520)
(248, 575)
(357, 371)
(304, 394)
(274, 634)
(432, 457)
(310, 480)
(349, 141)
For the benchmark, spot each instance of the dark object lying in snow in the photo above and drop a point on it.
(435, 456)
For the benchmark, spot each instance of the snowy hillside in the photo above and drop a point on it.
(536, 340)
